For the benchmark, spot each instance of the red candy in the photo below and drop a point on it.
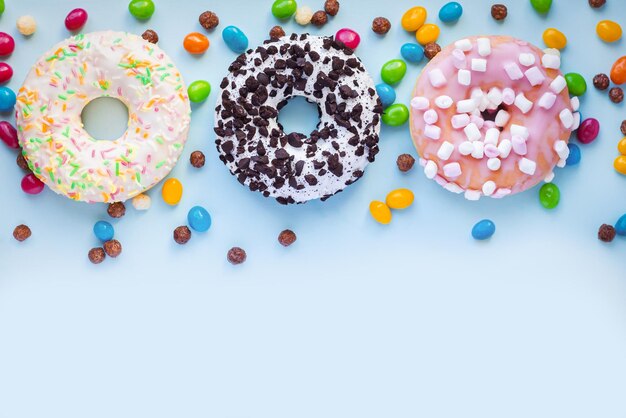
(349, 37)
(588, 130)
(7, 44)
(31, 184)
(76, 19)
(8, 135)
(6, 72)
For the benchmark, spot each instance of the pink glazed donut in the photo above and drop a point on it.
(491, 116)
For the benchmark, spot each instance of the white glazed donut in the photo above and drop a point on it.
(295, 168)
(84, 67)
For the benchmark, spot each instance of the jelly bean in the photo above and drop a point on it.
(483, 230)
(621, 146)
(588, 130)
(199, 219)
(76, 19)
(196, 43)
(7, 44)
(198, 91)
(349, 37)
(8, 135)
(380, 212)
(393, 71)
(396, 115)
(141, 9)
(549, 195)
(427, 33)
(400, 199)
(554, 38)
(103, 231)
(413, 18)
(620, 164)
(541, 6)
(450, 12)
(172, 191)
(576, 84)
(412, 52)
(609, 31)
(6, 72)
(618, 71)
(282, 9)
(620, 226)
(386, 93)
(31, 184)
(235, 39)
(2, 6)
(7, 99)
(574, 154)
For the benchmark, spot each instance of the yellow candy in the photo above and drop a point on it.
(400, 199)
(609, 31)
(620, 164)
(172, 191)
(621, 146)
(427, 33)
(413, 18)
(554, 38)
(380, 212)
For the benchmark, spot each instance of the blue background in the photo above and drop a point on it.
(354, 320)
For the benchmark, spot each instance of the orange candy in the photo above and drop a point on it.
(618, 72)
(196, 43)
(621, 146)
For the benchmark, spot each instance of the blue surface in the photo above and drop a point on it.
(356, 319)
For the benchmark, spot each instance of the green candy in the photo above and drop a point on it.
(542, 6)
(576, 84)
(198, 91)
(549, 195)
(283, 9)
(141, 9)
(395, 115)
(1, 6)
(393, 71)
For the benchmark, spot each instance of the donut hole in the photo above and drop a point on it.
(298, 115)
(105, 118)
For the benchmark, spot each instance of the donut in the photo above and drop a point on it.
(491, 116)
(294, 167)
(64, 80)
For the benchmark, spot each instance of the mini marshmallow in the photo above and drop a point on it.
(491, 151)
(567, 119)
(561, 149)
(452, 170)
(520, 130)
(484, 46)
(534, 76)
(547, 100)
(477, 94)
(445, 150)
(432, 132)
(459, 59)
(463, 44)
(526, 59)
(444, 102)
(466, 106)
(505, 147)
(502, 118)
(552, 51)
(527, 166)
(522, 103)
(489, 187)
(472, 195)
(479, 150)
(484, 103)
(494, 164)
(472, 132)
(500, 193)
(420, 103)
(549, 177)
(466, 148)
(508, 96)
(464, 77)
(492, 135)
(551, 61)
(561, 163)
(454, 188)
(575, 103)
(513, 71)
(495, 96)
(436, 77)
(430, 169)
(478, 121)
(519, 145)
(431, 117)
(489, 124)
(576, 124)
(460, 121)
(479, 64)
(558, 84)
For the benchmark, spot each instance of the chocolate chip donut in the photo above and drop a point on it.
(294, 167)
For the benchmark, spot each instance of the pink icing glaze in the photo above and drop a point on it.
(544, 126)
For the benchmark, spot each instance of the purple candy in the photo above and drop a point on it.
(588, 130)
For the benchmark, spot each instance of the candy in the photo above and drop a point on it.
(574, 154)
(541, 6)
(588, 130)
(198, 91)
(196, 43)
(7, 44)
(553, 38)
(396, 115)
(412, 52)
(621, 146)
(31, 184)
(76, 19)
(483, 230)
(380, 212)
(386, 93)
(393, 71)
(450, 12)
(620, 164)
(620, 226)
(103, 231)
(26, 25)
(400, 199)
(549, 195)
(235, 39)
(609, 31)
(282, 9)
(199, 219)
(141, 9)
(7, 99)
(6, 72)
(349, 37)
(576, 84)
(427, 33)
(618, 71)
(8, 135)
(413, 18)
(2, 6)
(172, 191)
(142, 202)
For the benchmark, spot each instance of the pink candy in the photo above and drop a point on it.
(76, 19)
(7, 44)
(8, 135)
(588, 130)
(31, 184)
(349, 37)
(6, 72)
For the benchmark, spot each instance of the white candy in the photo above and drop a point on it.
(491, 151)
(460, 62)
(489, 187)
(472, 132)
(430, 169)
(464, 45)
(505, 147)
(445, 150)
(575, 103)
(477, 120)
(513, 71)
(494, 164)
(502, 118)
(552, 51)
(432, 132)
(420, 103)
(436, 77)
(444, 102)
(304, 14)
(561, 163)
(466, 106)
(431, 117)
(551, 61)
(477, 95)
(492, 135)
(527, 166)
(460, 121)
(558, 84)
(567, 119)
(484, 46)
(472, 195)
(508, 96)
(526, 59)
(495, 96)
(452, 170)
(520, 130)
(522, 103)
(519, 145)
(479, 150)
(535, 76)
(464, 77)
(561, 149)
(549, 177)
(466, 148)
(479, 64)
(547, 100)
(142, 202)
(576, 124)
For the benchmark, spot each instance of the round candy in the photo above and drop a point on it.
(103, 231)
(413, 18)
(7, 99)
(609, 31)
(412, 52)
(31, 184)
(8, 135)
(621, 146)
(76, 19)
(349, 37)
(7, 44)
(393, 71)
(396, 115)
(235, 39)
(196, 43)
(380, 212)
(450, 12)
(386, 93)
(282, 9)
(141, 9)
(542, 6)
(6, 72)
(199, 219)
(620, 164)
(554, 38)
(483, 230)
(576, 84)
(427, 33)
(618, 71)
(588, 130)
(26, 25)
(574, 154)
(172, 191)
(400, 199)
(198, 91)
(549, 195)
(620, 225)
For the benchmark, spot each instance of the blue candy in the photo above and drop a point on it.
(412, 52)
(450, 12)
(235, 39)
(620, 225)
(386, 93)
(199, 219)
(104, 231)
(483, 229)
(574, 154)
(7, 99)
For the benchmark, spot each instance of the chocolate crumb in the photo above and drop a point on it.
(22, 233)
(381, 25)
(601, 81)
(113, 248)
(287, 237)
(623, 127)
(499, 11)
(597, 3)
(21, 162)
(150, 36)
(616, 94)
(606, 233)
(197, 159)
(116, 210)
(331, 7)
(97, 255)
(431, 49)
(319, 18)
(209, 20)
(236, 255)
(277, 32)
(405, 162)
(182, 235)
